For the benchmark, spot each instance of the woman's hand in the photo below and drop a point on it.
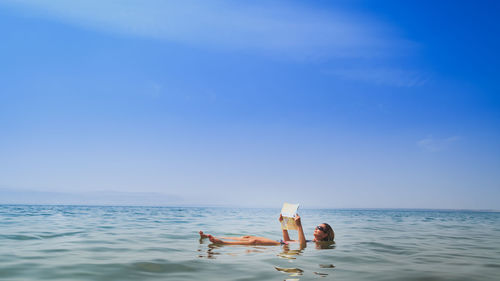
(302, 237)
(297, 220)
(286, 237)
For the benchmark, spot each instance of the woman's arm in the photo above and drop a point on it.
(302, 237)
(285, 232)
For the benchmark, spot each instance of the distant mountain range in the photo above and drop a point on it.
(13, 196)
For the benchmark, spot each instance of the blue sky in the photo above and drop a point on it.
(346, 104)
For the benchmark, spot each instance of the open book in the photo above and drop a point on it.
(288, 212)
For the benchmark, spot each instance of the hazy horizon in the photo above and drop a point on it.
(153, 199)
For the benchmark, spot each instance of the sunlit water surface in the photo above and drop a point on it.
(149, 243)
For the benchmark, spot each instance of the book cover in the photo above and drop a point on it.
(288, 212)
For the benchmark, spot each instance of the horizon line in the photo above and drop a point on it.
(247, 207)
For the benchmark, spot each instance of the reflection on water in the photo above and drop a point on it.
(290, 254)
(211, 252)
(286, 252)
(293, 270)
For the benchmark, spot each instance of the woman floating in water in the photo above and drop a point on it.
(322, 232)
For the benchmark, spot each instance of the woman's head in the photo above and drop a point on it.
(324, 232)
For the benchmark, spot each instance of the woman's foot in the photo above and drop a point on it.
(215, 240)
(203, 235)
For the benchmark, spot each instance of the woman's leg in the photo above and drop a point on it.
(251, 240)
(241, 238)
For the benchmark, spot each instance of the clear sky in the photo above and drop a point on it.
(337, 104)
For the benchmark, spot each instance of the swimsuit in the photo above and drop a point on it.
(282, 242)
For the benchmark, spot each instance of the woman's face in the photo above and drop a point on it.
(320, 232)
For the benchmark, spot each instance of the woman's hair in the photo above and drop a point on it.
(330, 232)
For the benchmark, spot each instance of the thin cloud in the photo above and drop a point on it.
(278, 28)
(387, 76)
(432, 144)
(153, 89)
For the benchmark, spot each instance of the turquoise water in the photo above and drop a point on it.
(148, 243)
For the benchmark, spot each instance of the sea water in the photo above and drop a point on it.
(161, 243)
